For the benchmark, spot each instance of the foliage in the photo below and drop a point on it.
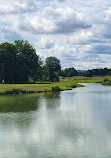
(56, 88)
(7, 62)
(18, 62)
(13, 91)
(53, 66)
(27, 62)
(73, 86)
(68, 72)
(106, 81)
(95, 72)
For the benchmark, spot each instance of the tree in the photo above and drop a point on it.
(71, 72)
(53, 66)
(88, 73)
(45, 74)
(7, 62)
(68, 72)
(18, 62)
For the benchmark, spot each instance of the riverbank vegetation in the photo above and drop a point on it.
(106, 81)
(39, 87)
(64, 84)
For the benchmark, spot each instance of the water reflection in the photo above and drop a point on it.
(19, 103)
(70, 124)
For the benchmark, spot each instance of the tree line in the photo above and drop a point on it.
(19, 63)
(96, 72)
(69, 72)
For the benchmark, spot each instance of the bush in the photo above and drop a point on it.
(74, 86)
(105, 79)
(13, 91)
(56, 88)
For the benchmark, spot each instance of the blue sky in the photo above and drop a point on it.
(78, 32)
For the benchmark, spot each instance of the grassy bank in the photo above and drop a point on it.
(64, 84)
(35, 88)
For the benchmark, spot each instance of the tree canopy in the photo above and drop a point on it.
(18, 62)
(95, 72)
(68, 72)
(53, 66)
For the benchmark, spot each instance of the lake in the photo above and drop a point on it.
(68, 124)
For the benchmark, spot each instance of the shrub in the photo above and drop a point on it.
(56, 88)
(74, 86)
(105, 79)
(13, 91)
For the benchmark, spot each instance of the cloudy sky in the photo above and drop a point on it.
(78, 32)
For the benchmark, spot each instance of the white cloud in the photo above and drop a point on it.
(45, 43)
(53, 21)
(8, 35)
(18, 7)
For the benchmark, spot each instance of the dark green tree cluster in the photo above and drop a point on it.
(95, 72)
(50, 70)
(68, 72)
(53, 66)
(19, 63)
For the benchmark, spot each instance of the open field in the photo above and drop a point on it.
(64, 84)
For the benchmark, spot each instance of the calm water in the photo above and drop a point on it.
(69, 124)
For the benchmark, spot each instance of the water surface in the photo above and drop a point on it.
(69, 124)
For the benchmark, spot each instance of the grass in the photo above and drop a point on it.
(34, 88)
(81, 79)
(64, 84)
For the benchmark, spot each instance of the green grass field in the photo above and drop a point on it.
(64, 84)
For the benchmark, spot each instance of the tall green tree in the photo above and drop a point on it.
(53, 66)
(27, 61)
(7, 62)
(18, 62)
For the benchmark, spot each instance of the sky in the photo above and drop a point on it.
(78, 32)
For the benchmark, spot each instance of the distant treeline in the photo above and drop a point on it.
(95, 72)
(19, 63)
(69, 72)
